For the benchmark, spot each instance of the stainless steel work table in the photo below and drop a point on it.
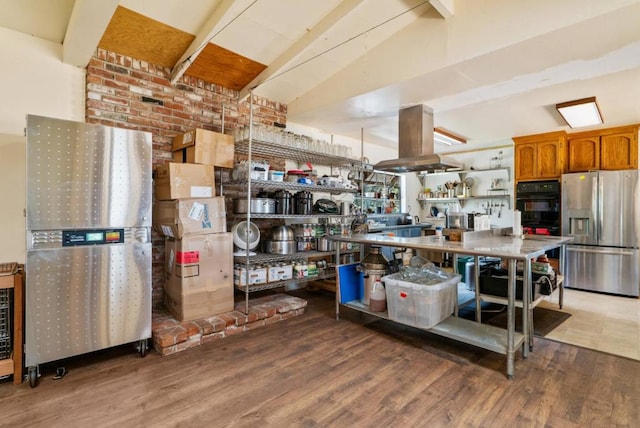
(486, 243)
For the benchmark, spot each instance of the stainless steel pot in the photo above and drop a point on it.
(280, 247)
(405, 219)
(325, 244)
(258, 206)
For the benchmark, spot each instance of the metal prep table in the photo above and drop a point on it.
(486, 243)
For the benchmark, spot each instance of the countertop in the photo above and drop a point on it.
(482, 244)
(407, 226)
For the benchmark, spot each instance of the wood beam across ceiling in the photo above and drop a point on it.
(444, 7)
(285, 61)
(88, 21)
(221, 16)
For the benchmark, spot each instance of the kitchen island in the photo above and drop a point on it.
(493, 243)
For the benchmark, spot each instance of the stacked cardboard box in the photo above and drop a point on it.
(198, 248)
(204, 147)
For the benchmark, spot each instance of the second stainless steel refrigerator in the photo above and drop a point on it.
(601, 211)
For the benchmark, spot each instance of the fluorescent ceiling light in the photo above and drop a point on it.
(578, 113)
(441, 136)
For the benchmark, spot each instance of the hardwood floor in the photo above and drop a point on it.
(315, 371)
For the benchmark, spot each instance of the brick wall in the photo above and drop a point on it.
(128, 93)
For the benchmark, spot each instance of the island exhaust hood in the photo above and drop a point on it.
(415, 144)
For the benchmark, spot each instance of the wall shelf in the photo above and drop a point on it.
(462, 200)
(463, 172)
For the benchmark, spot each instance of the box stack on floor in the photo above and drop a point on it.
(198, 248)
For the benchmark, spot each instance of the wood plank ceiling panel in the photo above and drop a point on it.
(218, 65)
(135, 35)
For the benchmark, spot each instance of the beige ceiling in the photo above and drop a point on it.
(490, 69)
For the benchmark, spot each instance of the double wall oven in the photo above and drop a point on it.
(539, 204)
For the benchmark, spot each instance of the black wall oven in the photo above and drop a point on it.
(539, 205)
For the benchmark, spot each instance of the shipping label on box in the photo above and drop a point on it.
(193, 216)
(184, 180)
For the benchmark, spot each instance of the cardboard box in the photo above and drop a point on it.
(184, 180)
(257, 275)
(193, 216)
(199, 276)
(204, 147)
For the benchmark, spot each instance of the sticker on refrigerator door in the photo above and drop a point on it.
(201, 191)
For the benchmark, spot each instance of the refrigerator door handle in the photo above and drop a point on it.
(618, 252)
(600, 206)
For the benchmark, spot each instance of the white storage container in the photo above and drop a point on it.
(280, 272)
(257, 275)
(419, 305)
(276, 175)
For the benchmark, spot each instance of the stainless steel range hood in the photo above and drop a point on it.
(415, 144)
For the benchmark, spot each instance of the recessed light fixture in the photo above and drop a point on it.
(579, 113)
(441, 136)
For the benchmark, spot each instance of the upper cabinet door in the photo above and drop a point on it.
(526, 161)
(619, 150)
(540, 156)
(550, 158)
(584, 153)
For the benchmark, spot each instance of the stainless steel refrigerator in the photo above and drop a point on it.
(601, 211)
(88, 216)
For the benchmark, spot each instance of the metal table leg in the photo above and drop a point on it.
(563, 249)
(476, 289)
(511, 291)
(337, 282)
(527, 314)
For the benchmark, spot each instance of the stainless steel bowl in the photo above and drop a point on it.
(282, 233)
(280, 247)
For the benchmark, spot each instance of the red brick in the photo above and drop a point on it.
(231, 330)
(212, 337)
(272, 320)
(254, 325)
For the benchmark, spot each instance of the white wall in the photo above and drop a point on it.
(480, 159)
(33, 80)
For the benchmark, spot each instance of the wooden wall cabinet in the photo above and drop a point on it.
(607, 149)
(540, 156)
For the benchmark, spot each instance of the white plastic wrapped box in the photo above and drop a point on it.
(420, 305)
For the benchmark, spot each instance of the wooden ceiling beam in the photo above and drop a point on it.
(444, 7)
(87, 23)
(220, 17)
(286, 59)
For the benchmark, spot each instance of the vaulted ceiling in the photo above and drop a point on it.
(490, 69)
